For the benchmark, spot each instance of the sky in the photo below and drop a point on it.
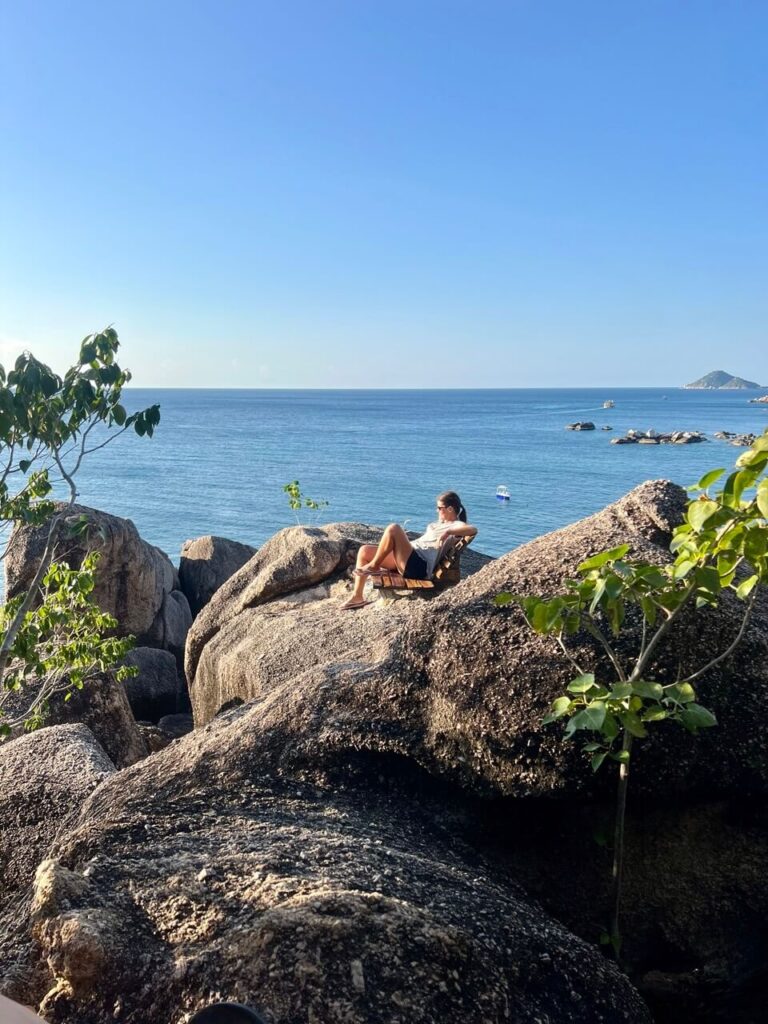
(387, 193)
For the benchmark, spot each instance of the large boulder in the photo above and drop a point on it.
(293, 560)
(171, 625)
(156, 690)
(101, 705)
(459, 685)
(45, 777)
(206, 873)
(133, 577)
(208, 562)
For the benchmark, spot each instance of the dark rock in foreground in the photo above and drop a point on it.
(206, 872)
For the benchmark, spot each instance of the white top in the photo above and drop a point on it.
(429, 544)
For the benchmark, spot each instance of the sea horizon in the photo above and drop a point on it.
(221, 456)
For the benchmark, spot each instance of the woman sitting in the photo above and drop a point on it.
(415, 560)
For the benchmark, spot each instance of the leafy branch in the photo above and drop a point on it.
(722, 546)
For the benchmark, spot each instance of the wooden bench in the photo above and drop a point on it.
(447, 572)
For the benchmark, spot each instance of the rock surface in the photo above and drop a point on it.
(133, 576)
(459, 686)
(44, 777)
(207, 873)
(102, 705)
(208, 562)
(156, 690)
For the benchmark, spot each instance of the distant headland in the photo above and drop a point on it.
(719, 379)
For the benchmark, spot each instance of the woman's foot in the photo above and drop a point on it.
(353, 603)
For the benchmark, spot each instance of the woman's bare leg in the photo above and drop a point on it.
(392, 553)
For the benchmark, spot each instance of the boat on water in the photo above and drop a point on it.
(502, 493)
(609, 403)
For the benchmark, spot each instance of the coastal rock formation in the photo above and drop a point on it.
(586, 425)
(459, 686)
(292, 561)
(653, 437)
(207, 872)
(738, 440)
(763, 399)
(44, 778)
(171, 625)
(208, 562)
(102, 705)
(156, 690)
(133, 577)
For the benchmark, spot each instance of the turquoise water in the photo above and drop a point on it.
(219, 458)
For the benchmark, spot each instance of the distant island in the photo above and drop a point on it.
(720, 379)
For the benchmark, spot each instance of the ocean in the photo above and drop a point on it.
(219, 459)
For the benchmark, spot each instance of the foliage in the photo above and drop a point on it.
(297, 500)
(54, 633)
(721, 546)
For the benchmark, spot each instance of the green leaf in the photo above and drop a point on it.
(581, 684)
(762, 499)
(708, 479)
(699, 512)
(560, 707)
(591, 717)
(622, 756)
(597, 760)
(632, 724)
(655, 714)
(648, 690)
(680, 693)
(745, 588)
(695, 717)
(620, 691)
(604, 557)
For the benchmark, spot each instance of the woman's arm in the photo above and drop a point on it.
(459, 529)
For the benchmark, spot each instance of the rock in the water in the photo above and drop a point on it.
(133, 577)
(208, 562)
(156, 690)
(586, 425)
(206, 874)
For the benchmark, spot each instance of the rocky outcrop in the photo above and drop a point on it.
(585, 425)
(292, 561)
(208, 562)
(134, 578)
(102, 705)
(44, 777)
(156, 690)
(459, 686)
(206, 872)
(654, 437)
(171, 625)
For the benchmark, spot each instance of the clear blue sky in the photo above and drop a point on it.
(314, 193)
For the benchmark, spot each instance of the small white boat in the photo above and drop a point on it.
(502, 493)
(609, 404)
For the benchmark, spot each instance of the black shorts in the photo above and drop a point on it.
(415, 568)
